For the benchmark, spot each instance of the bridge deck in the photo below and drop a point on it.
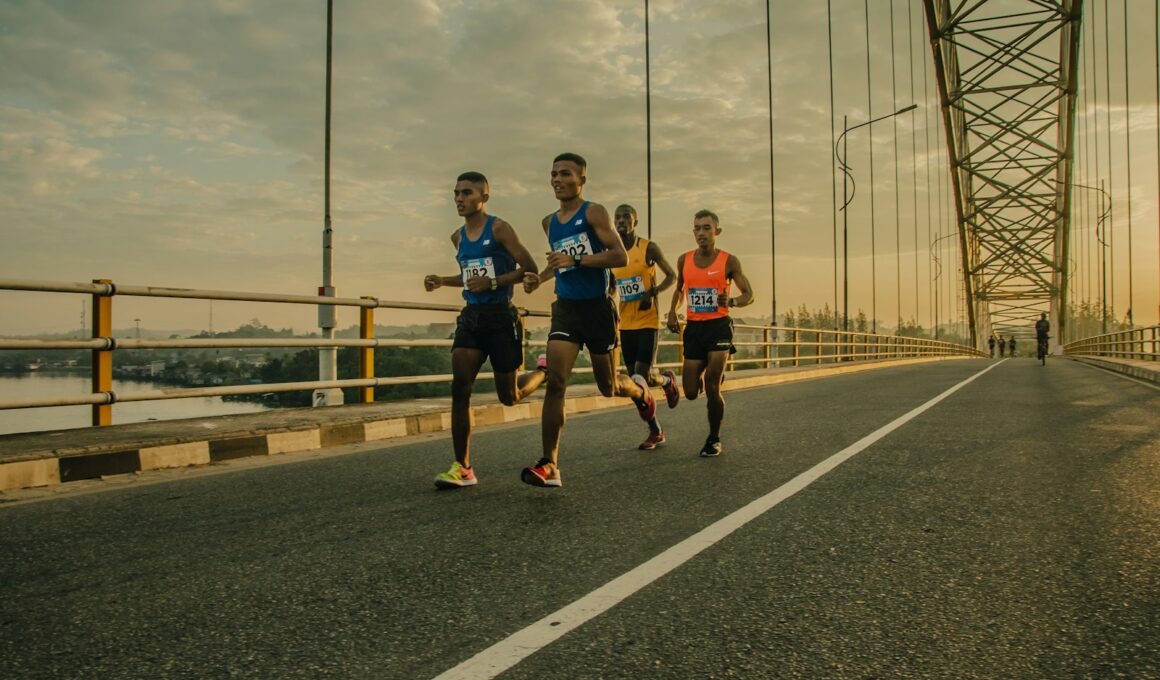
(1010, 529)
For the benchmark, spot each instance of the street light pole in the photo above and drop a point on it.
(847, 198)
(937, 275)
(327, 314)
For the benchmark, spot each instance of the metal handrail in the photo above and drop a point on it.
(1136, 343)
(829, 346)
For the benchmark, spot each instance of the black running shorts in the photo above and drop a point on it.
(702, 337)
(493, 330)
(639, 346)
(590, 323)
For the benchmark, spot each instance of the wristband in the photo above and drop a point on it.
(576, 259)
(731, 302)
(494, 283)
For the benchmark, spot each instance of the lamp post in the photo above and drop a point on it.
(327, 314)
(1105, 208)
(847, 197)
(937, 274)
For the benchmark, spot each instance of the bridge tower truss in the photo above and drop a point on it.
(1007, 79)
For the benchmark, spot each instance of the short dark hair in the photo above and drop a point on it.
(630, 209)
(572, 157)
(708, 213)
(472, 176)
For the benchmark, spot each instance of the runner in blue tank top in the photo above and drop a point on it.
(584, 246)
(491, 260)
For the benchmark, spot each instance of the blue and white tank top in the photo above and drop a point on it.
(577, 237)
(484, 257)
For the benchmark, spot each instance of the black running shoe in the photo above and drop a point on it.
(711, 449)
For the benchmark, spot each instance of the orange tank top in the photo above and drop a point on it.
(706, 290)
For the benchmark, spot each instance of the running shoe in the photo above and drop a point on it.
(654, 440)
(672, 392)
(648, 409)
(456, 477)
(542, 362)
(711, 449)
(542, 473)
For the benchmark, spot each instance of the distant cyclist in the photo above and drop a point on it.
(1042, 331)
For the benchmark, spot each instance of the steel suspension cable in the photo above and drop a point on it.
(1109, 227)
(897, 212)
(934, 293)
(873, 226)
(833, 157)
(648, 123)
(772, 213)
(914, 152)
(1128, 159)
(1100, 261)
(1087, 152)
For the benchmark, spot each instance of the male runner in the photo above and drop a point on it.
(636, 285)
(491, 260)
(703, 278)
(584, 246)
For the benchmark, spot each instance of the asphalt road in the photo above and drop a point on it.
(1010, 531)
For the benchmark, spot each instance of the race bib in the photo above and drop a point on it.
(577, 244)
(702, 300)
(483, 266)
(631, 288)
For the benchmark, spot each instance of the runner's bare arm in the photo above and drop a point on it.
(733, 271)
(672, 323)
(433, 281)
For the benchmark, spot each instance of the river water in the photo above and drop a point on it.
(39, 385)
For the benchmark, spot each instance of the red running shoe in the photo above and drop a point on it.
(654, 440)
(542, 473)
(649, 410)
(672, 392)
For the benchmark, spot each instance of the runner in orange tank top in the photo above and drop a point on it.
(703, 279)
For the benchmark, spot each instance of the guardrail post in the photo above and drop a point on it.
(765, 348)
(366, 355)
(794, 347)
(102, 359)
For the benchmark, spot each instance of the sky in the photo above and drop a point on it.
(180, 144)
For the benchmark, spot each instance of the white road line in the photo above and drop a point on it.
(510, 651)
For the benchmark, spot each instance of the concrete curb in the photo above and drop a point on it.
(41, 465)
(1146, 371)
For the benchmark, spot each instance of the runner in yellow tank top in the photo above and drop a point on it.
(703, 278)
(637, 289)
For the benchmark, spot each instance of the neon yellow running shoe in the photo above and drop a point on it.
(456, 477)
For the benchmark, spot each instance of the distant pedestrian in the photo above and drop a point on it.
(1002, 346)
(1011, 346)
(991, 344)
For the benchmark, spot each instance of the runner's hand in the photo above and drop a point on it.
(531, 282)
(431, 282)
(479, 284)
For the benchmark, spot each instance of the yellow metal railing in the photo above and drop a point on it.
(799, 346)
(1138, 343)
